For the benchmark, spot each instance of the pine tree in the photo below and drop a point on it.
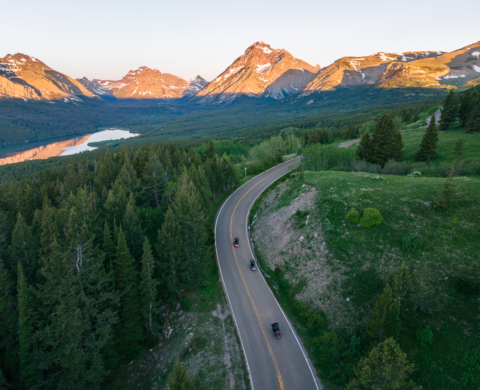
(129, 330)
(153, 182)
(108, 246)
(148, 288)
(105, 173)
(426, 298)
(474, 119)
(116, 203)
(210, 152)
(26, 320)
(48, 231)
(449, 111)
(133, 231)
(22, 250)
(377, 329)
(365, 148)
(127, 178)
(428, 145)
(393, 324)
(194, 177)
(77, 291)
(458, 149)
(173, 269)
(179, 380)
(8, 316)
(403, 291)
(387, 141)
(448, 196)
(465, 106)
(385, 368)
(188, 209)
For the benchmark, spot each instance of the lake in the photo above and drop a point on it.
(63, 147)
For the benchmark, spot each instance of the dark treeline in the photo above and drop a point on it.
(89, 252)
(20, 122)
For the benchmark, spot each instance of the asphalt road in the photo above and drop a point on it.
(273, 364)
(348, 143)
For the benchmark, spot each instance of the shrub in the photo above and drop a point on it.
(471, 369)
(353, 216)
(334, 357)
(371, 218)
(412, 243)
(467, 278)
(425, 336)
(312, 318)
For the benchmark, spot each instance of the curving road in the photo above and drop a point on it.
(272, 364)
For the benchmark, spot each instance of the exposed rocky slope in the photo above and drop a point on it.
(195, 85)
(22, 76)
(146, 83)
(391, 70)
(256, 70)
(95, 87)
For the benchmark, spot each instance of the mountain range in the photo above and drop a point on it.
(260, 72)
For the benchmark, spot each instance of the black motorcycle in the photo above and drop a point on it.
(236, 242)
(276, 330)
(253, 266)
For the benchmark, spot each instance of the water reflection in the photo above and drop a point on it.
(65, 148)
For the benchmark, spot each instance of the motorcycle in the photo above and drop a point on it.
(236, 242)
(276, 330)
(253, 266)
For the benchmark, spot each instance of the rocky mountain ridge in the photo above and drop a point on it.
(260, 72)
(257, 69)
(428, 69)
(26, 77)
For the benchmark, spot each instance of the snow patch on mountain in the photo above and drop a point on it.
(476, 68)
(476, 54)
(263, 68)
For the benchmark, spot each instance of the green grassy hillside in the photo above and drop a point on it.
(354, 264)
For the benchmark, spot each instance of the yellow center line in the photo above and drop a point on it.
(280, 380)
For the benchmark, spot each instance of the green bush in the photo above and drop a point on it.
(371, 217)
(467, 277)
(425, 336)
(312, 318)
(412, 243)
(353, 216)
(334, 358)
(471, 369)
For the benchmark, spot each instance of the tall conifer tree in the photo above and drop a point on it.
(387, 141)
(22, 250)
(148, 288)
(108, 246)
(428, 145)
(173, 269)
(449, 111)
(153, 182)
(76, 288)
(458, 149)
(365, 148)
(381, 320)
(133, 231)
(129, 330)
(474, 119)
(465, 107)
(8, 317)
(26, 320)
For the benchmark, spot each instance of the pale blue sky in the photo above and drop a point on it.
(107, 38)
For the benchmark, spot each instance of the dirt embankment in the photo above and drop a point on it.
(295, 242)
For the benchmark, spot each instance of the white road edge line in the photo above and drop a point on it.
(223, 280)
(271, 292)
